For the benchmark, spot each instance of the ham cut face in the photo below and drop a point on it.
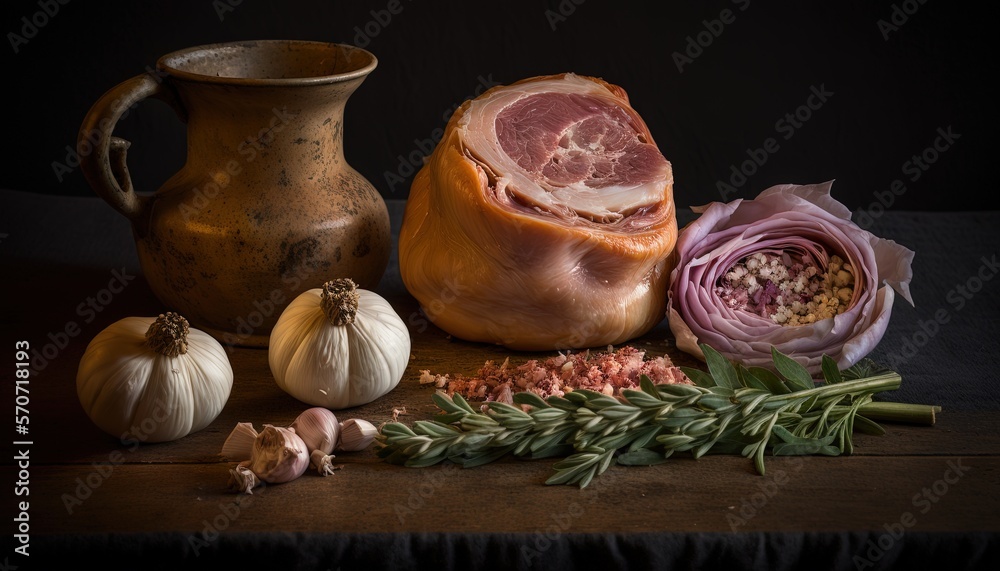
(567, 146)
(544, 219)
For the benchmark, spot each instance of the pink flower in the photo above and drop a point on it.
(800, 220)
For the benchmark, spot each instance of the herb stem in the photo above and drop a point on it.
(922, 414)
(874, 384)
(727, 412)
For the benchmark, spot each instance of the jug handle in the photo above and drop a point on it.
(105, 166)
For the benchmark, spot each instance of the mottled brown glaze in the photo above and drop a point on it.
(266, 205)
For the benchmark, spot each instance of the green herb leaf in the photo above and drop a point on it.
(450, 417)
(868, 426)
(717, 403)
(721, 369)
(831, 372)
(552, 452)
(577, 468)
(644, 436)
(863, 369)
(773, 382)
(446, 404)
(481, 458)
(462, 403)
(647, 386)
(796, 446)
(531, 399)
(433, 428)
(698, 377)
(561, 403)
(796, 374)
(674, 440)
(732, 410)
(750, 380)
(641, 399)
(641, 457)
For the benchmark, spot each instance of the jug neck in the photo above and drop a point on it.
(262, 127)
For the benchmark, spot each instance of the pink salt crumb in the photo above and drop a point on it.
(606, 372)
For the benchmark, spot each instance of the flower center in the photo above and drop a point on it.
(787, 288)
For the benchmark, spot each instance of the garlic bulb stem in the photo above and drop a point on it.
(168, 335)
(339, 301)
(323, 462)
(242, 479)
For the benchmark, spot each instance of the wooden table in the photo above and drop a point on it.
(915, 496)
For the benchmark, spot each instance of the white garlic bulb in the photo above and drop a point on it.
(153, 379)
(338, 346)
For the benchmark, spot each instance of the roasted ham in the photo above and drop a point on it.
(544, 219)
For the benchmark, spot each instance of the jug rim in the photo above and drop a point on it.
(172, 63)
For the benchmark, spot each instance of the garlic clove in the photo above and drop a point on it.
(239, 445)
(356, 434)
(279, 456)
(318, 428)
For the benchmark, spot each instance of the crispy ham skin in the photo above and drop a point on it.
(543, 220)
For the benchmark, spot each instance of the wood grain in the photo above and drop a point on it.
(710, 494)
(84, 481)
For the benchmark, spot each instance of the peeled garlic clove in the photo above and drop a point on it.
(279, 456)
(356, 434)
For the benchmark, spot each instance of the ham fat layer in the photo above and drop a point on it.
(544, 219)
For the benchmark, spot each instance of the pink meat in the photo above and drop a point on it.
(568, 146)
(562, 139)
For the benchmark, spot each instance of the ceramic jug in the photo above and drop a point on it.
(265, 206)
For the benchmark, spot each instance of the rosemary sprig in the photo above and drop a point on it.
(730, 409)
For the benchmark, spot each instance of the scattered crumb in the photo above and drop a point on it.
(607, 372)
(398, 411)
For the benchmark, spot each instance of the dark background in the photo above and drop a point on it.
(890, 95)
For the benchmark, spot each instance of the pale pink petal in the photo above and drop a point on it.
(805, 220)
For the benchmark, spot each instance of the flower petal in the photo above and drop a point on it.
(804, 221)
